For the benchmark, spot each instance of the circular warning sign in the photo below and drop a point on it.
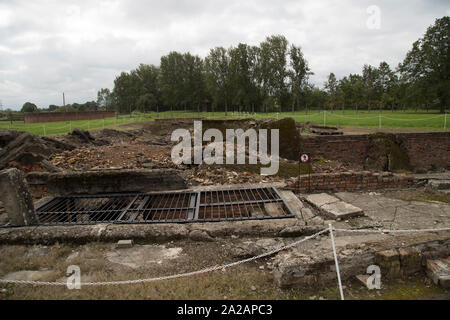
(305, 158)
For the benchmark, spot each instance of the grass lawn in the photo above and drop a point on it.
(420, 120)
(61, 127)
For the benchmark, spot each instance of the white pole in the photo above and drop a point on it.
(336, 261)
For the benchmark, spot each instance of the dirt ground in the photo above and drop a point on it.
(253, 280)
(148, 146)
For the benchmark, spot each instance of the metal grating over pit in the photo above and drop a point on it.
(173, 207)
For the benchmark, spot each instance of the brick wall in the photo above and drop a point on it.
(34, 117)
(424, 149)
(352, 181)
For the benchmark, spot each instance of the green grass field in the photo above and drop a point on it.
(61, 127)
(420, 120)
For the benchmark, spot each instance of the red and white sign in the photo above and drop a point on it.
(305, 158)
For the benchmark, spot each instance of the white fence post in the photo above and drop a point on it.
(336, 261)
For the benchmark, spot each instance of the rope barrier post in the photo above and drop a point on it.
(445, 121)
(336, 261)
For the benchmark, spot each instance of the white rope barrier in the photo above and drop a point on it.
(181, 275)
(222, 267)
(353, 118)
(422, 119)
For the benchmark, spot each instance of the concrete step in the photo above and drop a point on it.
(440, 184)
(333, 207)
(439, 271)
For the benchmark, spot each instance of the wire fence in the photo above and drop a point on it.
(327, 118)
(51, 129)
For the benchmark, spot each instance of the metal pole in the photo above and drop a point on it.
(336, 261)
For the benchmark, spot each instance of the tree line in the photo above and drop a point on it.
(274, 76)
(87, 106)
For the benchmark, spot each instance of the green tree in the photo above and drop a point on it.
(146, 102)
(298, 74)
(427, 63)
(148, 79)
(105, 99)
(331, 87)
(29, 107)
(171, 79)
(274, 72)
(218, 77)
(126, 91)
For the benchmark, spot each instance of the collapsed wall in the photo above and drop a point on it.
(423, 150)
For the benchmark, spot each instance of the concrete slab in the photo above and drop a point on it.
(124, 244)
(440, 184)
(321, 199)
(294, 202)
(139, 256)
(363, 279)
(333, 207)
(342, 210)
(439, 271)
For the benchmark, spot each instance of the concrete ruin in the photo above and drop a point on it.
(16, 198)
(346, 199)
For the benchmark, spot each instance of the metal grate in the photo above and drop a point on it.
(177, 207)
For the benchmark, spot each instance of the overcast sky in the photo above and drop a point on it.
(47, 47)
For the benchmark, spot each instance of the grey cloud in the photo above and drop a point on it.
(47, 47)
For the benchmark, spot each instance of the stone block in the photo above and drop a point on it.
(122, 244)
(410, 261)
(16, 198)
(439, 271)
(389, 263)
